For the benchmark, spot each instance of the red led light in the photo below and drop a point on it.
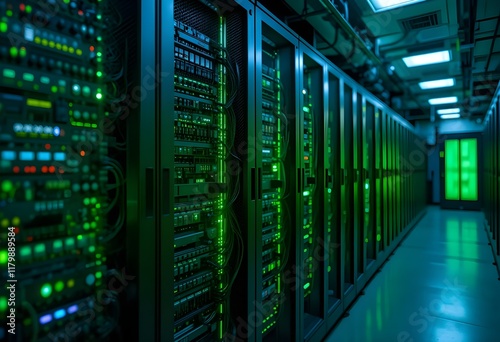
(22, 7)
(82, 153)
(45, 169)
(26, 169)
(29, 238)
(16, 230)
(47, 146)
(52, 169)
(91, 48)
(61, 170)
(15, 169)
(33, 169)
(80, 12)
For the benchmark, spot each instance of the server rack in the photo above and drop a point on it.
(310, 180)
(491, 171)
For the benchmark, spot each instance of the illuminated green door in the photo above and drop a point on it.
(461, 174)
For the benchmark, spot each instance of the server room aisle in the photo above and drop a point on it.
(440, 285)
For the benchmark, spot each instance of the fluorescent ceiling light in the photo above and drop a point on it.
(427, 58)
(443, 100)
(447, 82)
(448, 111)
(384, 5)
(450, 116)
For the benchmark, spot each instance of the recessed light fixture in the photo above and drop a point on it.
(443, 100)
(447, 82)
(450, 116)
(385, 5)
(448, 111)
(427, 58)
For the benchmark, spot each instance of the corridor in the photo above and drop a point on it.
(440, 285)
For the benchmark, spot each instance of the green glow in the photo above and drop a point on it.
(92, 249)
(25, 251)
(99, 74)
(86, 201)
(3, 27)
(28, 9)
(46, 290)
(7, 186)
(13, 52)
(306, 286)
(451, 175)
(366, 240)
(9, 13)
(59, 286)
(98, 96)
(86, 225)
(9, 73)
(40, 248)
(53, 89)
(4, 257)
(379, 237)
(28, 77)
(3, 304)
(468, 170)
(98, 275)
(306, 193)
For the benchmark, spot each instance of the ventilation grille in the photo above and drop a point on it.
(421, 21)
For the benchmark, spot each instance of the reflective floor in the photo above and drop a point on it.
(440, 285)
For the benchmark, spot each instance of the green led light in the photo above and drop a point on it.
(366, 240)
(79, 237)
(25, 251)
(93, 200)
(98, 205)
(13, 52)
(22, 52)
(99, 38)
(40, 248)
(86, 226)
(28, 9)
(59, 286)
(379, 237)
(67, 1)
(9, 73)
(306, 286)
(69, 242)
(99, 74)
(3, 27)
(28, 77)
(9, 13)
(329, 191)
(306, 193)
(3, 304)
(99, 17)
(4, 257)
(91, 249)
(57, 244)
(7, 186)
(305, 109)
(98, 96)
(98, 275)
(46, 290)
(53, 89)
(86, 201)
(93, 225)
(329, 268)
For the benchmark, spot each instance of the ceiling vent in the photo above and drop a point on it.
(420, 21)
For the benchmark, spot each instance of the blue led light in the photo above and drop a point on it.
(59, 156)
(43, 156)
(72, 309)
(90, 279)
(26, 155)
(57, 131)
(45, 319)
(8, 155)
(59, 314)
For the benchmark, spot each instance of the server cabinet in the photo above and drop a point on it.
(333, 196)
(347, 98)
(379, 181)
(369, 184)
(277, 179)
(311, 240)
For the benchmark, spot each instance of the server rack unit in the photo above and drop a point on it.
(492, 175)
(61, 182)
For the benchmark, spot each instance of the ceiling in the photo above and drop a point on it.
(370, 46)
